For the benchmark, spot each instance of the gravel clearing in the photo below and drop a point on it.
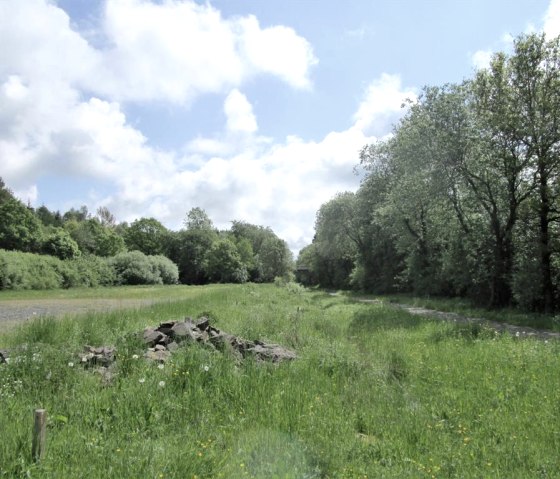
(16, 311)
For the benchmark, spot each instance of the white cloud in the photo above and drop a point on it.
(552, 19)
(239, 113)
(481, 59)
(382, 104)
(177, 50)
(173, 50)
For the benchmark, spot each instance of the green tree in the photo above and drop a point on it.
(147, 235)
(19, 228)
(59, 243)
(224, 264)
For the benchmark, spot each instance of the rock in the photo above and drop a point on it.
(159, 347)
(159, 356)
(4, 356)
(173, 346)
(102, 356)
(203, 323)
(152, 336)
(182, 330)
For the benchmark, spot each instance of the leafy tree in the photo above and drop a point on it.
(5, 193)
(93, 238)
(105, 217)
(48, 218)
(59, 243)
(19, 227)
(188, 249)
(147, 235)
(224, 264)
(275, 258)
(198, 219)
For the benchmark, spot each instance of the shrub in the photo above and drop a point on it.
(134, 267)
(167, 269)
(90, 271)
(30, 271)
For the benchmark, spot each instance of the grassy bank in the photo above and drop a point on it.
(375, 392)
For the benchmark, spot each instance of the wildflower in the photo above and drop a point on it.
(161, 384)
(160, 366)
(206, 368)
(135, 356)
(142, 380)
(70, 364)
(517, 334)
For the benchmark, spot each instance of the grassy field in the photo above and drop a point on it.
(376, 392)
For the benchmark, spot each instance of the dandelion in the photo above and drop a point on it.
(135, 356)
(161, 384)
(70, 364)
(206, 368)
(142, 380)
(517, 334)
(160, 366)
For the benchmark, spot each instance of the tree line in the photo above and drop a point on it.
(78, 243)
(463, 199)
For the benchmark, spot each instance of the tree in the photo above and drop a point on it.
(20, 229)
(223, 263)
(275, 258)
(147, 235)
(105, 217)
(198, 219)
(94, 238)
(59, 243)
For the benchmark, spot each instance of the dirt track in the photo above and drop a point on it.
(14, 311)
(518, 331)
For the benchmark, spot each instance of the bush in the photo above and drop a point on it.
(90, 271)
(30, 271)
(168, 270)
(134, 267)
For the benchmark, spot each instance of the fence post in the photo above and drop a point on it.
(39, 434)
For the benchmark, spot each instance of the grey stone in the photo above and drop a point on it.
(159, 356)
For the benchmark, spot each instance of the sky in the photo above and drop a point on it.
(254, 110)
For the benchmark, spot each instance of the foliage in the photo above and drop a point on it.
(224, 264)
(59, 243)
(147, 235)
(134, 267)
(19, 227)
(463, 198)
(93, 238)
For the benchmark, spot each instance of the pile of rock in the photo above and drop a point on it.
(169, 336)
(102, 356)
(4, 356)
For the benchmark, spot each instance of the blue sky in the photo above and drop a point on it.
(254, 110)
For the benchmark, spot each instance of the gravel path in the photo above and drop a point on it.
(519, 331)
(14, 311)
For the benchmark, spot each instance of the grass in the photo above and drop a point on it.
(376, 392)
(466, 308)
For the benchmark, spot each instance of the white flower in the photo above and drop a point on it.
(161, 384)
(135, 356)
(206, 368)
(517, 334)
(70, 364)
(160, 366)
(142, 380)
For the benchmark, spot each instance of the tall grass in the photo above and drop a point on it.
(375, 392)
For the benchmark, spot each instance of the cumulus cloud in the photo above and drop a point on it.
(239, 113)
(62, 114)
(177, 50)
(382, 104)
(552, 19)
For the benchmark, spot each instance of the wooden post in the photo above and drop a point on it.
(39, 435)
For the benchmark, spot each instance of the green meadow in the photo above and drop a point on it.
(375, 392)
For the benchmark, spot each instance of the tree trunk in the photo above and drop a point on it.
(547, 287)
